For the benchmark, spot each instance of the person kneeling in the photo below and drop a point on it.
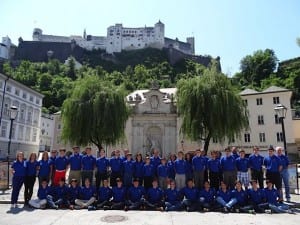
(87, 196)
(43, 191)
(154, 197)
(172, 198)
(135, 196)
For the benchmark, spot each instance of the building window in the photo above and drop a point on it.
(1, 84)
(276, 100)
(245, 102)
(13, 131)
(34, 134)
(27, 134)
(279, 137)
(260, 120)
(277, 120)
(259, 101)
(215, 140)
(58, 126)
(29, 116)
(21, 132)
(24, 95)
(247, 137)
(4, 129)
(17, 92)
(31, 98)
(22, 113)
(262, 137)
(37, 101)
(8, 88)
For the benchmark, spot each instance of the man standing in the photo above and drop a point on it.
(242, 165)
(180, 169)
(60, 165)
(75, 165)
(116, 168)
(88, 166)
(255, 164)
(102, 164)
(228, 165)
(199, 166)
(155, 160)
(284, 172)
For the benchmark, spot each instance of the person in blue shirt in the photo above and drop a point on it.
(118, 196)
(180, 170)
(60, 165)
(189, 173)
(214, 169)
(75, 165)
(115, 164)
(31, 172)
(135, 196)
(256, 198)
(284, 173)
(104, 195)
(224, 198)
(44, 168)
(207, 197)
(228, 166)
(87, 196)
(73, 193)
(102, 165)
(128, 170)
(53, 155)
(241, 198)
(154, 197)
(162, 173)
(88, 165)
(41, 201)
(199, 166)
(139, 168)
(255, 163)
(172, 198)
(242, 165)
(148, 172)
(273, 166)
(19, 173)
(171, 170)
(155, 160)
(273, 199)
(191, 197)
(59, 195)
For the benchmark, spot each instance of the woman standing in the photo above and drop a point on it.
(31, 171)
(45, 168)
(19, 172)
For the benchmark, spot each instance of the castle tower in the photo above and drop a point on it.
(37, 34)
(191, 41)
(159, 33)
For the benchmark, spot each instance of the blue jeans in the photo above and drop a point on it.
(190, 205)
(174, 206)
(284, 174)
(229, 204)
(208, 205)
(279, 208)
(52, 203)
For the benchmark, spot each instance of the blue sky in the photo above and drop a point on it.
(230, 29)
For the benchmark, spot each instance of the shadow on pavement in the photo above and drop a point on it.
(19, 209)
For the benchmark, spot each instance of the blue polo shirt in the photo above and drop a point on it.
(199, 163)
(31, 168)
(284, 161)
(155, 195)
(102, 164)
(43, 192)
(19, 168)
(162, 170)
(240, 196)
(242, 164)
(256, 196)
(61, 192)
(208, 195)
(226, 196)
(256, 162)
(214, 165)
(180, 166)
(190, 193)
(119, 194)
(75, 161)
(45, 167)
(172, 196)
(138, 169)
(228, 163)
(87, 192)
(104, 194)
(128, 167)
(74, 193)
(135, 194)
(155, 161)
(88, 162)
(189, 168)
(171, 169)
(148, 170)
(115, 164)
(272, 163)
(272, 196)
(61, 163)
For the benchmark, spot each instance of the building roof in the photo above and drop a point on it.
(140, 93)
(271, 89)
(248, 91)
(274, 89)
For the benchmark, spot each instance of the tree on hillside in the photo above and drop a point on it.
(96, 113)
(210, 108)
(258, 66)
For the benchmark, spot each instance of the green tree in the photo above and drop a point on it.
(95, 113)
(210, 108)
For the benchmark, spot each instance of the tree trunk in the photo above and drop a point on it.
(206, 143)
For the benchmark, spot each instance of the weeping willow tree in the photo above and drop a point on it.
(210, 108)
(95, 113)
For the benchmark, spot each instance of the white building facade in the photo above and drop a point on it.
(26, 127)
(5, 46)
(46, 132)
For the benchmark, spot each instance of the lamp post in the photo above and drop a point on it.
(280, 111)
(13, 116)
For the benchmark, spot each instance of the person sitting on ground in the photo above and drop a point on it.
(86, 196)
(104, 195)
(224, 198)
(73, 193)
(191, 196)
(58, 196)
(172, 198)
(118, 196)
(43, 191)
(241, 198)
(154, 197)
(207, 197)
(135, 196)
(256, 198)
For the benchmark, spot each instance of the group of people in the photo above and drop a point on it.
(190, 182)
